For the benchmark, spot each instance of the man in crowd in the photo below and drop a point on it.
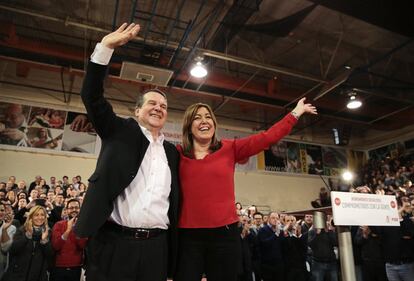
(398, 245)
(257, 222)
(65, 182)
(132, 198)
(21, 186)
(307, 223)
(294, 250)
(270, 239)
(7, 231)
(12, 181)
(322, 242)
(34, 183)
(53, 182)
(68, 248)
(75, 182)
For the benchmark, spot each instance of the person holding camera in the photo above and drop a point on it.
(69, 249)
(31, 251)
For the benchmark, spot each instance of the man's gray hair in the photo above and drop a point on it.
(141, 97)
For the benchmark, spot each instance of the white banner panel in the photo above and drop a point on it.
(364, 209)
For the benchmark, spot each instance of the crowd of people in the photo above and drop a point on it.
(278, 244)
(36, 233)
(38, 242)
(390, 176)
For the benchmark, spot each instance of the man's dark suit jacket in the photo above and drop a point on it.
(123, 148)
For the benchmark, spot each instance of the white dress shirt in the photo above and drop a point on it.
(145, 202)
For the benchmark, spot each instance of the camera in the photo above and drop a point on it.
(37, 234)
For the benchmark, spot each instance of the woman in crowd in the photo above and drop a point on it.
(209, 236)
(31, 251)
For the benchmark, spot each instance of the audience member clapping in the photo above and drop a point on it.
(31, 250)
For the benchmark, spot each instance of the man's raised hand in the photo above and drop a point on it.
(121, 36)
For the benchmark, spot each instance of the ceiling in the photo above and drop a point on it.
(262, 56)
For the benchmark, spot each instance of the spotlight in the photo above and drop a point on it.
(347, 176)
(353, 102)
(198, 71)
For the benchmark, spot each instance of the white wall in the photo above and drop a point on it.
(26, 165)
(280, 192)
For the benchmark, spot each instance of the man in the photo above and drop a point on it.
(75, 182)
(34, 183)
(398, 245)
(294, 250)
(21, 187)
(12, 180)
(322, 242)
(257, 222)
(7, 231)
(65, 182)
(307, 223)
(52, 183)
(132, 199)
(254, 246)
(56, 212)
(13, 131)
(34, 194)
(270, 239)
(68, 248)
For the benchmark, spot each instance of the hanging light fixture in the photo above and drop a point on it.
(347, 176)
(198, 70)
(353, 102)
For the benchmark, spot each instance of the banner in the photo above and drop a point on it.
(314, 159)
(276, 157)
(334, 160)
(293, 158)
(364, 209)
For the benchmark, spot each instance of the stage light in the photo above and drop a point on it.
(198, 70)
(347, 176)
(353, 102)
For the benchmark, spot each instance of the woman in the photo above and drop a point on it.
(209, 235)
(31, 251)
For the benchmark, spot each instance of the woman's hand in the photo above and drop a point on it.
(45, 233)
(302, 107)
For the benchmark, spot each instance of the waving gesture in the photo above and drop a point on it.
(121, 36)
(302, 107)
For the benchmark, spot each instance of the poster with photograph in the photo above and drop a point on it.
(314, 159)
(41, 117)
(293, 157)
(276, 157)
(45, 138)
(13, 124)
(79, 134)
(334, 160)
